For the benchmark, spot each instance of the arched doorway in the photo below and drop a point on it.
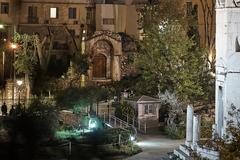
(99, 66)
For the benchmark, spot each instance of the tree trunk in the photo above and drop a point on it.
(28, 89)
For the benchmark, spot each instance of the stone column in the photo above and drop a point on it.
(189, 127)
(116, 70)
(196, 131)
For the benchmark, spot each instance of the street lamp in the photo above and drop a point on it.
(13, 46)
(19, 83)
(1, 26)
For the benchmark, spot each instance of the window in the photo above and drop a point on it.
(32, 14)
(189, 8)
(109, 21)
(32, 11)
(72, 13)
(4, 8)
(53, 12)
(149, 109)
(146, 109)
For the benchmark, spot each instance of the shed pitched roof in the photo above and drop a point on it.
(147, 99)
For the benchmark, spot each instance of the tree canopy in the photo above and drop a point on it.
(168, 56)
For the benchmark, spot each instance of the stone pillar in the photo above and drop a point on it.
(189, 127)
(196, 131)
(116, 70)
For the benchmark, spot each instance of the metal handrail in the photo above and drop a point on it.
(142, 127)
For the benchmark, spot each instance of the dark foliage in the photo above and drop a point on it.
(71, 96)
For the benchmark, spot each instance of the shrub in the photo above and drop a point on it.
(109, 136)
(124, 109)
(175, 131)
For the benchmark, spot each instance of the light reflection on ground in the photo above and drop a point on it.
(155, 147)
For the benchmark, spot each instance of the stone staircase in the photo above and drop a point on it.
(183, 152)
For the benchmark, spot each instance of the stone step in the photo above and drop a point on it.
(171, 155)
(181, 155)
(187, 150)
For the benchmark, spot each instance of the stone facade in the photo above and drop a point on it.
(106, 53)
(68, 23)
(227, 65)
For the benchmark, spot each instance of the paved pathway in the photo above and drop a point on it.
(155, 147)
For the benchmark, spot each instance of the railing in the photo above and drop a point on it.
(116, 122)
(134, 121)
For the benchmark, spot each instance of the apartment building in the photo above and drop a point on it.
(73, 24)
(103, 29)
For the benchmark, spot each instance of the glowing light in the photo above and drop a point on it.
(1, 26)
(19, 82)
(13, 46)
(92, 124)
(132, 138)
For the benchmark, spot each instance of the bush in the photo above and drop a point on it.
(80, 97)
(109, 136)
(124, 109)
(127, 149)
(175, 131)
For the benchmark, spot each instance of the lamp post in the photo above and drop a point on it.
(19, 83)
(3, 53)
(13, 47)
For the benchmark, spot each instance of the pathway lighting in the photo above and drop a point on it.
(92, 124)
(132, 138)
(19, 83)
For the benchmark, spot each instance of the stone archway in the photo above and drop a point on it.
(99, 66)
(101, 59)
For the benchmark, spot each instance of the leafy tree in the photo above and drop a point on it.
(115, 88)
(80, 63)
(26, 58)
(43, 55)
(81, 97)
(167, 56)
(123, 110)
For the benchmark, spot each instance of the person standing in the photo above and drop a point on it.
(12, 111)
(4, 109)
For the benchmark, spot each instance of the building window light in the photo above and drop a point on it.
(54, 12)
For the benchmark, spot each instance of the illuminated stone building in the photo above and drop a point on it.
(72, 24)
